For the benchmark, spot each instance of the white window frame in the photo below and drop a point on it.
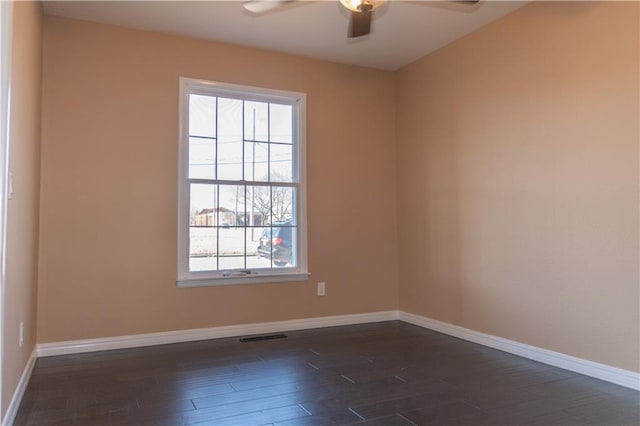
(187, 278)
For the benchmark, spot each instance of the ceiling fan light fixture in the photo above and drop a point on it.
(361, 5)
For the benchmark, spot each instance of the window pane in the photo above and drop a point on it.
(280, 123)
(202, 116)
(281, 163)
(203, 249)
(202, 233)
(253, 242)
(232, 246)
(202, 158)
(203, 205)
(256, 157)
(282, 204)
(254, 215)
(256, 121)
(229, 139)
(281, 246)
(231, 242)
(231, 208)
(259, 204)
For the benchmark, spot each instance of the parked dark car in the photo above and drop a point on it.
(277, 243)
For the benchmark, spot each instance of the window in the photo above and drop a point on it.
(241, 213)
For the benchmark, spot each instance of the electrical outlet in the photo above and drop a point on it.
(321, 289)
(21, 338)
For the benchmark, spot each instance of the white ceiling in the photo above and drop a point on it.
(401, 31)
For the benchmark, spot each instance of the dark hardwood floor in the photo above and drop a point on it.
(389, 373)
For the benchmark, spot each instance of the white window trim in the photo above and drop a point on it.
(187, 278)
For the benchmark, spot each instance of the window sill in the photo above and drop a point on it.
(261, 279)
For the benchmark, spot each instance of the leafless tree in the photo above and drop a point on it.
(274, 201)
(271, 201)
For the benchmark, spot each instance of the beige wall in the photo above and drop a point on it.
(23, 209)
(108, 229)
(518, 181)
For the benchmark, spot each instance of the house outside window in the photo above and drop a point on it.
(241, 186)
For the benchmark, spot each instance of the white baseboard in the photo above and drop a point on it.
(162, 338)
(593, 369)
(615, 375)
(12, 409)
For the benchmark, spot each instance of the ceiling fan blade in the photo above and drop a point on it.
(359, 24)
(264, 6)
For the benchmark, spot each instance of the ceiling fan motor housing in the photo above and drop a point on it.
(362, 6)
(365, 7)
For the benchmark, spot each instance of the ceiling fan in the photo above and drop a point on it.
(361, 11)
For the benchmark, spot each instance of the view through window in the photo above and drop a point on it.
(243, 179)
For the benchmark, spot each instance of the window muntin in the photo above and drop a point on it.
(241, 177)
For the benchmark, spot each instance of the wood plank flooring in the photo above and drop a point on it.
(388, 374)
